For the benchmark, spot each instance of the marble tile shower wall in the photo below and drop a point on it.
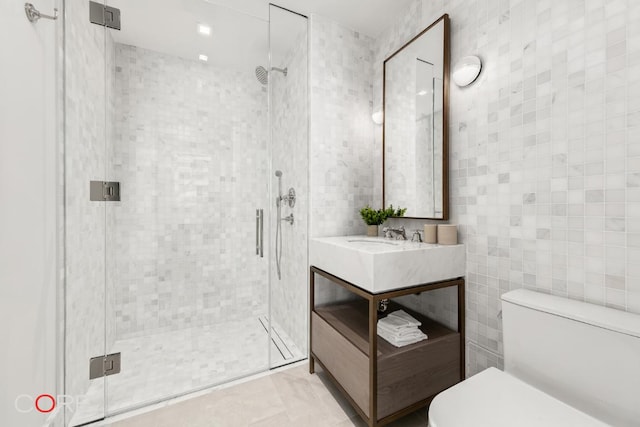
(290, 151)
(544, 151)
(190, 151)
(341, 128)
(84, 153)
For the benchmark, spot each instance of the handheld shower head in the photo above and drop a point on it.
(279, 197)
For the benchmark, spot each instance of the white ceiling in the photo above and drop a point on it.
(370, 17)
(240, 29)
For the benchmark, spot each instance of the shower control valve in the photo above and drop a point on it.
(290, 198)
(288, 218)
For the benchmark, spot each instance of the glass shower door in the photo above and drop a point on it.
(188, 143)
(183, 108)
(85, 128)
(288, 82)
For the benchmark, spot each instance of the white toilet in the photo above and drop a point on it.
(567, 363)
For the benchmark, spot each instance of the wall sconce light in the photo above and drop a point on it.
(466, 70)
(377, 117)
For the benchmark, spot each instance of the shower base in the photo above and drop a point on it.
(163, 365)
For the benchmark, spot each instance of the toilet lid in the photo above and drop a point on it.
(496, 399)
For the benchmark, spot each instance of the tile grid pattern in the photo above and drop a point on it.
(183, 251)
(544, 164)
(341, 128)
(180, 361)
(341, 131)
(290, 154)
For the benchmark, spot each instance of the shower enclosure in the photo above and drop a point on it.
(177, 115)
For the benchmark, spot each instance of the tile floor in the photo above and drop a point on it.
(167, 364)
(286, 398)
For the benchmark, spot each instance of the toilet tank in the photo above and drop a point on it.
(585, 355)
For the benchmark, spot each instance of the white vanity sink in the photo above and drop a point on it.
(376, 264)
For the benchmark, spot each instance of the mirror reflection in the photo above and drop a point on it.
(415, 116)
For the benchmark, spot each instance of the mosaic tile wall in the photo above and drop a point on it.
(341, 128)
(190, 150)
(341, 131)
(290, 151)
(544, 158)
(85, 128)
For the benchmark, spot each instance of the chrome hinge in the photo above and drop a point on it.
(103, 366)
(105, 16)
(104, 191)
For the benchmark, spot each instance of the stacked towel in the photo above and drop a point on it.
(400, 329)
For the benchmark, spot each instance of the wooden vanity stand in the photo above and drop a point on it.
(383, 382)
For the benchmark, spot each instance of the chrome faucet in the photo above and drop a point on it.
(397, 233)
(416, 236)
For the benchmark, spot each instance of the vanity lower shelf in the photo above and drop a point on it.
(397, 380)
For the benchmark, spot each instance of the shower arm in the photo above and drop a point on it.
(282, 70)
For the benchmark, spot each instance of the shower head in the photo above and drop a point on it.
(263, 75)
(278, 174)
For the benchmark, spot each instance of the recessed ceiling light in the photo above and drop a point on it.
(203, 29)
(423, 92)
(203, 58)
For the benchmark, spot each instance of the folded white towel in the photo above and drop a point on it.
(399, 320)
(405, 316)
(400, 329)
(405, 332)
(401, 342)
(395, 322)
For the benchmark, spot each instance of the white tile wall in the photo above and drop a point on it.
(341, 128)
(544, 164)
(341, 131)
(190, 149)
(290, 154)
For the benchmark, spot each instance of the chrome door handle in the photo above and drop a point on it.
(260, 232)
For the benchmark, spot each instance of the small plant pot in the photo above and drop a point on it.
(372, 230)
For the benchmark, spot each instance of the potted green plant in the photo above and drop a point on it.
(373, 218)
